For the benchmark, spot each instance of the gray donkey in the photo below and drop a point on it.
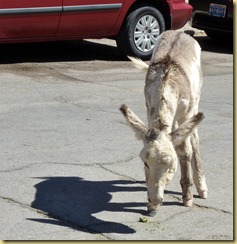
(172, 93)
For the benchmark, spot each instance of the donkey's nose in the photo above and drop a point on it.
(151, 212)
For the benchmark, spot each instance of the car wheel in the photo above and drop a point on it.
(140, 31)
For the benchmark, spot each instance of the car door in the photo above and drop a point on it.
(29, 18)
(88, 18)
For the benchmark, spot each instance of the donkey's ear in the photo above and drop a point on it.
(134, 122)
(184, 130)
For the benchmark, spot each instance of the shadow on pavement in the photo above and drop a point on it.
(72, 202)
(58, 52)
(173, 203)
(84, 50)
(217, 46)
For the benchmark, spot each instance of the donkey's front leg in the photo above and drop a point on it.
(184, 152)
(198, 172)
(156, 181)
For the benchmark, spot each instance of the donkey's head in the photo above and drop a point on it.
(158, 153)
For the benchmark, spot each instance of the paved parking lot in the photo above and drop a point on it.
(70, 168)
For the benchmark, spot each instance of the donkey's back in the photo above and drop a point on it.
(179, 49)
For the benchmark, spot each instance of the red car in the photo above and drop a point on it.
(135, 24)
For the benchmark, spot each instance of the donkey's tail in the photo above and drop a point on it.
(138, 63)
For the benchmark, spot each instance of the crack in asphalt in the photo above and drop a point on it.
(201, 206)
(66, 223)
(73, 164)
(118, 174)
(212, 208)
(33, 164)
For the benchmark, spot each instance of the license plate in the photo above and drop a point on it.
(217, 10)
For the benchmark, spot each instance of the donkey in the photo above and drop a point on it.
(172, 92)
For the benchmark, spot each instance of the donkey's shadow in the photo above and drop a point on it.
(72, 201)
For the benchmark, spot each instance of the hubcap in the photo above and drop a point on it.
(146, 33)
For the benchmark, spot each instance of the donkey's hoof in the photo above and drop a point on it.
(203, 194)
(188, 203)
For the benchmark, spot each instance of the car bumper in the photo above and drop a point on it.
(202, 20)
(180, 13)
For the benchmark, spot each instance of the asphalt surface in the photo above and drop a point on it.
(70, 168)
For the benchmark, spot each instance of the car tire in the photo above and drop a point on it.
(140, 31)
